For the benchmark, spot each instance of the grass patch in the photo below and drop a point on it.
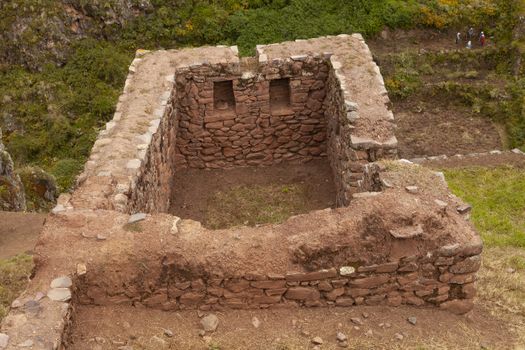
(497, 196)
(500, 283)
(254, 205)
(14, 276)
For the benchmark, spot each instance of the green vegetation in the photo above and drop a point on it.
(254, 205)
(14, 276)
(497, 196)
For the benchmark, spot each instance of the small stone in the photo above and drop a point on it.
(101, 237)
(16, 304)
(356, 320)
(412, 189)
(356, 328)
(32, 307)
(412, 320)
(4, 340)
(464, 209)
(210, 323)
(175, 225)
(441, 204)
(168, 333)
(81, 269)
(510, 270)
(305, 333)
(58, 209)
(399, 336)
(369, 333)
(125, 347)
(341, 336)
(26, 344)
(365, 314)
(346, 270)
(59, 294)
(317, 341)
(343, 344)
(100, 340)
(136, 218)
(61, 282)
(202, 333)
(255, 322)
(39, 296)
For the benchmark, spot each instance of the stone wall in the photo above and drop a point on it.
(151, 190)
(349, 154)
(253, 129)
(444, 277)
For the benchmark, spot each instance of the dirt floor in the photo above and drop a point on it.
(19, 232)
(206, 195)
(377, 328)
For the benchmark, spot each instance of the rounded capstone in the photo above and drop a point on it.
(61, 282)
(59, 294)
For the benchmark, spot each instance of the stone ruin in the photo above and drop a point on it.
(398, 236)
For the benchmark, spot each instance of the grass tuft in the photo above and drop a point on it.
(14, 276)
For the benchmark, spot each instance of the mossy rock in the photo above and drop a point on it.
(41, 188)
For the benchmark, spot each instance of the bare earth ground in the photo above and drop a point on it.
(108, 328)
(19, 232)
(434, 129)
(197, 191)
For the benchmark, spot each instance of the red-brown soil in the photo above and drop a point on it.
(109, 328)
(195, 189)
(426, 128)
(19, 232)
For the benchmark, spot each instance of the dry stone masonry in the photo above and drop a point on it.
(396, 237)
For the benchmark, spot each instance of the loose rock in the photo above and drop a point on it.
(412, 320)
(4, 340)
(59, 294)
(210, 323)
(136, 218)
(356, 320)
(341, 336)
(168, 333)
(61, 282)
(317, 341)
(255, 321)
(412, 189)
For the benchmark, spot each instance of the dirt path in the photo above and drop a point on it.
(19, 232)
(482, 160)
(376, 328)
